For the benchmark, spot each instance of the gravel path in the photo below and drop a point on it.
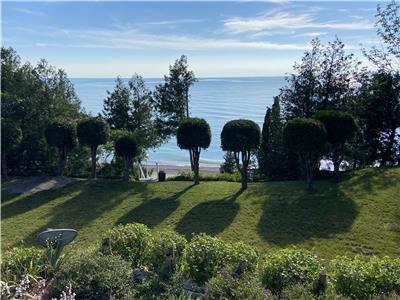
(34, 184)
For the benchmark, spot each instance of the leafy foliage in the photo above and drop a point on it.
(126, 146)
(204, 256)
(61, 134)
(225, 286)
(167, 251)
(20, 261)
(34, 97)
(308, 138)
(132, 242)
(11, 135)
(340, 127)
(95, 276)
(323, 79)
(194, 134)
(93, 132)
(288, 267)
(360, 279)
(242, 137)
(131, 107)
(172, 97)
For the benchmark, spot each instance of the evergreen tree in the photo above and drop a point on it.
(275, 161)
(172, 99)
(131, 107)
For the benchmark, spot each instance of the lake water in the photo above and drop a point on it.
(217, 100)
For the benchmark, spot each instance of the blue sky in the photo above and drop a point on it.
(106, 39)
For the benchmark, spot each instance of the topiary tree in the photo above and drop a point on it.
(242, 137)
(11, 136)
(340, 127)
(307, 137)
(194, 134)
(93, 132)
(127, 147)
(62, 135)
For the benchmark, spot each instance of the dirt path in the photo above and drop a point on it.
(34, 184)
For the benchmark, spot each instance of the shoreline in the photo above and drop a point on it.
(174, 170)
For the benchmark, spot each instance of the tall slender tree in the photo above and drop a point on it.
(172, 98)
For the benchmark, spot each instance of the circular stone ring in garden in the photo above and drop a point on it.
(58, 237)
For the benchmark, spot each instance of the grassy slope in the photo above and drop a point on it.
(360, 215)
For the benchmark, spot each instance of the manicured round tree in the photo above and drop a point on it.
(307, 137)
(62, 135)
(242, 138)
(340, 127)
(127, 147)
(93, 132)
(194, 134)
(11, 136)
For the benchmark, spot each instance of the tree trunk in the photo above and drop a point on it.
(4, 165)
(62, 161)
(93, 150)
(386, 154)
(196, 158)
(243, 172)
(336, 163)
(127, 165)
(191, 154)
(309, 167)
(244, 179)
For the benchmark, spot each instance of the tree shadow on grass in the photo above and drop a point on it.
(210, 217)
(293, 218)
(94, 199)
(153, 211)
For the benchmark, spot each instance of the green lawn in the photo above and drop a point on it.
(360, 215)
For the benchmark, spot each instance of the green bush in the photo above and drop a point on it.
(359, 279)
(189, 176)
(288, 267)
(204, 256)
(167, 250)
(225, 286)
(132, 241)
(242, 257)
(95, 276)
(22, 261)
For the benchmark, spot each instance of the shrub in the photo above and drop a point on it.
(288, 267)
(22, 261)
(93, 132)
(359, 279)
(132, 241)
(203, 257)
(307, 137)
(95, 276)
(194, 134)
(242, 257)
(225, 286)
(242, 137)
(167, 250)
(189, 176)
(127, 147)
